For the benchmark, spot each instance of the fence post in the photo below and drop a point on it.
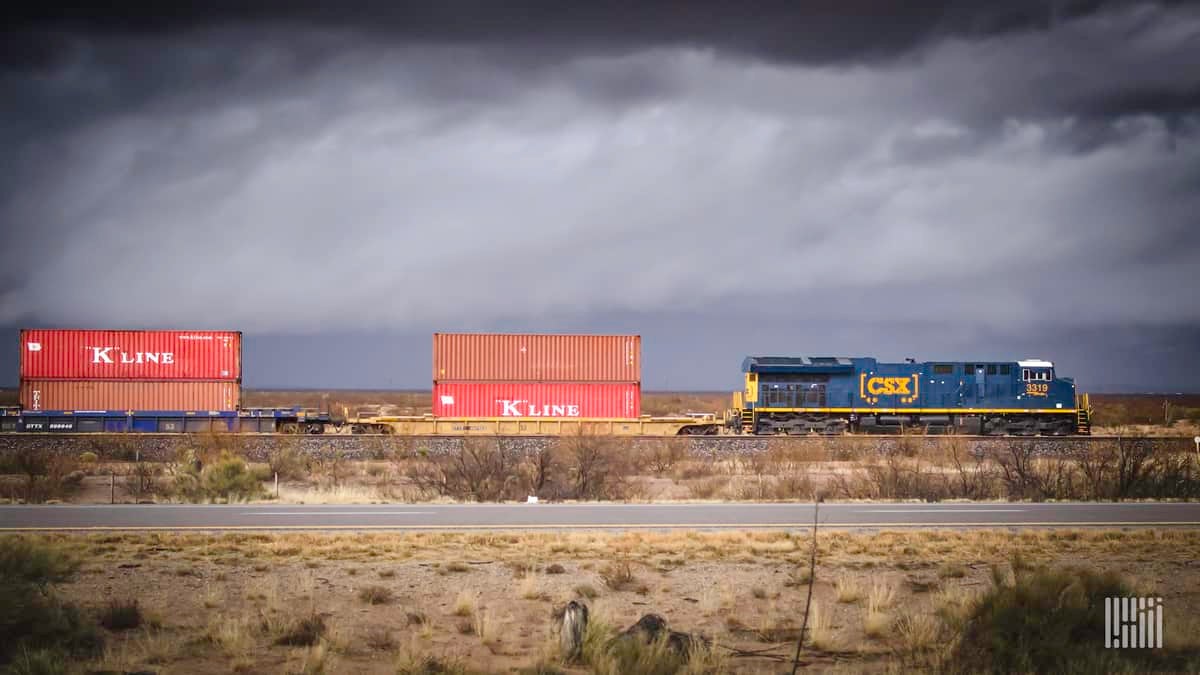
(112, 488)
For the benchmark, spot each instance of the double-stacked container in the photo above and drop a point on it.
(536, 375)
(123, 370)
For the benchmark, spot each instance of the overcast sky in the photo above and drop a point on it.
(342, 179)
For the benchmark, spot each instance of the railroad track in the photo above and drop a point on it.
(257, 447)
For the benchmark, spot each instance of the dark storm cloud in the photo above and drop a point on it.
(978, 172)
(815, 31)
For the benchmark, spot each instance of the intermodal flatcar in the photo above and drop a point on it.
(803, 395)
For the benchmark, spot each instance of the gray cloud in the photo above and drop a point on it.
(995, 174)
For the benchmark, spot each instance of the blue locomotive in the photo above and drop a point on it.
(801, 395)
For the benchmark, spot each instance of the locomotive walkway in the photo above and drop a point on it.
(592, 516)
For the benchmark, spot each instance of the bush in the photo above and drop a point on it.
(140, 479)
(1048, 621)
(375, 595)
(286, 460)
(303, 632)
(88, 457)
(230, 479)
(31, 618)
(39, 662)
(618, 575)
(121, 615)
(47, 473)
(483, 469)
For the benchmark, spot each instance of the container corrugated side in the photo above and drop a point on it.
(129, 395)
(537, 399)
(130, 355)
(508, 357)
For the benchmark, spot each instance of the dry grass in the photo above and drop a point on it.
(917, 632)
(485, 627)
(954, 604)
(375, 595)
(618, 576)
(821, 635)
(876, 622)
(848, 589)
(952, 571)
(233, 635)
(466, 604)
(340, 494)
(531, 588)
(727, 585)
(380, 639)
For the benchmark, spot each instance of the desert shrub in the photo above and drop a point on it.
(375, 595)
(88, 457)
(894, 476)
(597, 467)
(121, 615)
(1048, 620)
(230, 479)
(141, 478)
(227, 479)
(286, 460)
(662, 455)
(39, 662)
(618, 575)
(302, 632)
(693, 470)
(708, 488)
(32, 619)
(380, 639)
(331, 467)
(637, 657)
(48, 475)
(1027, 475)
(482, 469)
(72, 481)
(975, 475)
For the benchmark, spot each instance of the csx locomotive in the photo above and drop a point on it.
(801, 395)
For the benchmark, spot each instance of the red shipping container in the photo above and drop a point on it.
(537, 399)
(485, 357)
(131, 355)
(129, 395)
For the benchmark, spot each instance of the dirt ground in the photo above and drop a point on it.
(486, 601)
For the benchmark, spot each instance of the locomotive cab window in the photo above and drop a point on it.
(1006, 370)
(943, 369)
(991, 369)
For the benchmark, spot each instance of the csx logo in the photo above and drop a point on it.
(871, 388)
(887, 386)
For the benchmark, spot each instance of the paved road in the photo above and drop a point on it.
(585, 516)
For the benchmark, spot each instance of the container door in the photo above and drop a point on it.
(980, 382)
